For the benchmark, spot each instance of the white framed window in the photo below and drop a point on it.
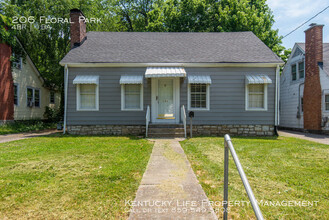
(256, 97)
(33, 97)
(37, 97)
(326, 102)
(198, 97)
(17, 62)
(301, 67)
(87, 97)
(132, 97)
(293, 72)
(16, 94)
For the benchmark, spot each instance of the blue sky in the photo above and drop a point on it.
(289, 14)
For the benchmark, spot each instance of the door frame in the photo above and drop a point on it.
(154, 103)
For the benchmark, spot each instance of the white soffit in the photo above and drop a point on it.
(199, 79)
(258, 79)
(86, 80)
(156, 72)
(131, 80)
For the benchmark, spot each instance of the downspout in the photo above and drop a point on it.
(277, 84)
(66, 76)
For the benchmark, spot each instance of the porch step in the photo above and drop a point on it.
(166, 131)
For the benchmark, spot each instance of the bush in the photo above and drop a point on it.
(52, 115)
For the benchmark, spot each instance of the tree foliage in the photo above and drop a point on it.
(47, 47)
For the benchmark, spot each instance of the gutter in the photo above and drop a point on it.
(277, 97)
(66, 76)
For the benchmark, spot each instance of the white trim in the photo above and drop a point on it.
(277, 97)
(66, 78)
(172, 64)
(189, 99)
(96, 98)
(33, 96)
(247, 99)
(154, 103)
(123, 92)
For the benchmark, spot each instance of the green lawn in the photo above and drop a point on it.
(278, 169)
(25, 126)
(70, 177)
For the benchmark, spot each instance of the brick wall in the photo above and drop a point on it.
(6, 84)
(312, 87)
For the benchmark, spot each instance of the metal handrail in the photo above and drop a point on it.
(229, 146)
(148, 119)
(183, 116)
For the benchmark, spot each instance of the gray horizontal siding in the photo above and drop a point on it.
(227, 97)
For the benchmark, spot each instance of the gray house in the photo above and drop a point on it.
(132, 83)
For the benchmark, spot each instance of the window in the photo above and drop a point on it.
(301, 70)
(198, 97)
(256, 97)
(16, 94)
(29, 97)
(33, 97)
(327, 102)
(52, 97)
(131, 97)
(87, 97)
(37, 98)
(293, 72)
(17, 62)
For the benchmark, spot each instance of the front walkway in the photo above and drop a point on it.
(319, 138)
(14, 137)
(169, 188)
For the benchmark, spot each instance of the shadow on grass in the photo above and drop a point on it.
(61, 135)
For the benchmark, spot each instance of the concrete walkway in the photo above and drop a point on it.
(319, 138)
(20, 136)
(169, 188)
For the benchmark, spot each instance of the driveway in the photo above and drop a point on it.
(14, 137)
(319, 138)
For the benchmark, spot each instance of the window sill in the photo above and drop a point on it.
(198, 109)
(256, 109)
(85, 110)
(132, 110)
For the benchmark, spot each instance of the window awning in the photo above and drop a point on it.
(156, 72)
(86, 80)
(258, 79)
(131, 80)
(199, 79)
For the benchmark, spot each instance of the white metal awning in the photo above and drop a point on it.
(258, 79)
(199, 79)
(156, 72)
(131, 80)
(86, 80)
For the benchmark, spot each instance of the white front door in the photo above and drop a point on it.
(165, 100)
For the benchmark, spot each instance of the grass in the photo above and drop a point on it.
(25, 126)
(70, 177)
(278, 169)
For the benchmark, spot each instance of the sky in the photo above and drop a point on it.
(289, 14)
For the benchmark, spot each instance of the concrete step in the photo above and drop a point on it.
(161, 135)
(166, 130)
(166, 125)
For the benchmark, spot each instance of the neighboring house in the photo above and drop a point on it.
(23, 95)
(304, 92)
(115, 79)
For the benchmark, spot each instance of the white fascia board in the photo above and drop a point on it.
(172, 64)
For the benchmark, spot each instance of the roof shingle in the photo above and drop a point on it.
(171, 47)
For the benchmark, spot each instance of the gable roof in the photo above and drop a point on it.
(325, 55)
(171, 47)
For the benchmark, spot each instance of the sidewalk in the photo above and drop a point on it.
(169, 188)
(14, 137)
(319, 138)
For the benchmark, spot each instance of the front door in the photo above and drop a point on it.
(165, 100)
